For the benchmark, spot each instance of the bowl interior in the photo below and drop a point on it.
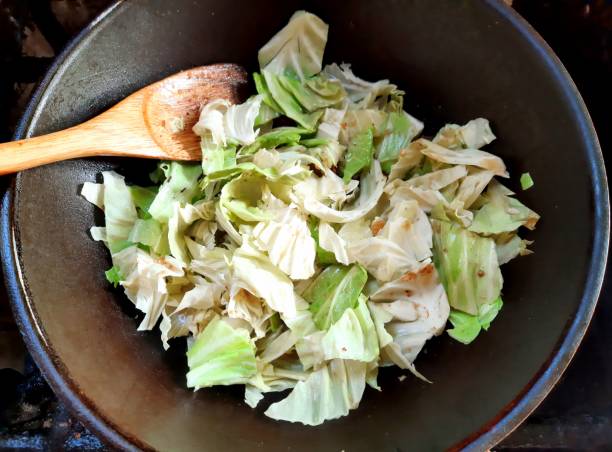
(456, 60)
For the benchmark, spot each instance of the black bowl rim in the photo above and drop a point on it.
(508, 418)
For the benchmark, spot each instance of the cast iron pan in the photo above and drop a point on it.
(456, 60)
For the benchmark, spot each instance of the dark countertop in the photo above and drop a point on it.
(578, 413)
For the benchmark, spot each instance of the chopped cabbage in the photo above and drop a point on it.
(319, 238)
(181, 185)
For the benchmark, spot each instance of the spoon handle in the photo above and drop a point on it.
(24, 154)
(117, 132)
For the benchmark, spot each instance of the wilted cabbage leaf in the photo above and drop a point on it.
(222, 123)
(298, 46)
(279, 136)
(473, 135)
(331, 124)
(353, 336)
(220, 355)
(244, 305)
(145, 281)
(337, 288)
(357, 121)
(359, 154)
(510, 246)
(472, 157)
(502, 213)
(181, 185)
(371, 188)
(263, 279)
(365, 95)
(408, 158)
(288, 241)
(119, 211)
(330, 241)
(288, 104)
(328, 393)
(400, 130)
(417, 309)
(315, 93)
(468, 266)
(467, 327)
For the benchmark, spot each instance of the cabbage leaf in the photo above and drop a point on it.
(468, 266)
(263, 279)
(372, 184)
(220, 355)
(298, 46)
(328, 393)
(473, 157)
(145, 281)
(359, 155)
(181, 185)
(330, 241)
(467, 327)
(400, 130)
(353, 336)
(288, 242)
(502, 213)
(473, 135)
(119, 211)
(416, 308)
(336, 289)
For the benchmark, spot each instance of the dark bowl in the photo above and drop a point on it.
(456, 60)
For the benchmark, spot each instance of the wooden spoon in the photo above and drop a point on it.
(144, 124)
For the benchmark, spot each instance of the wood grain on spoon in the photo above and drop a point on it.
(141, 125)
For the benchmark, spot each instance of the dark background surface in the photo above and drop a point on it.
(578, 413)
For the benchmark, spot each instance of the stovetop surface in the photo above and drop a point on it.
(578, 413)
